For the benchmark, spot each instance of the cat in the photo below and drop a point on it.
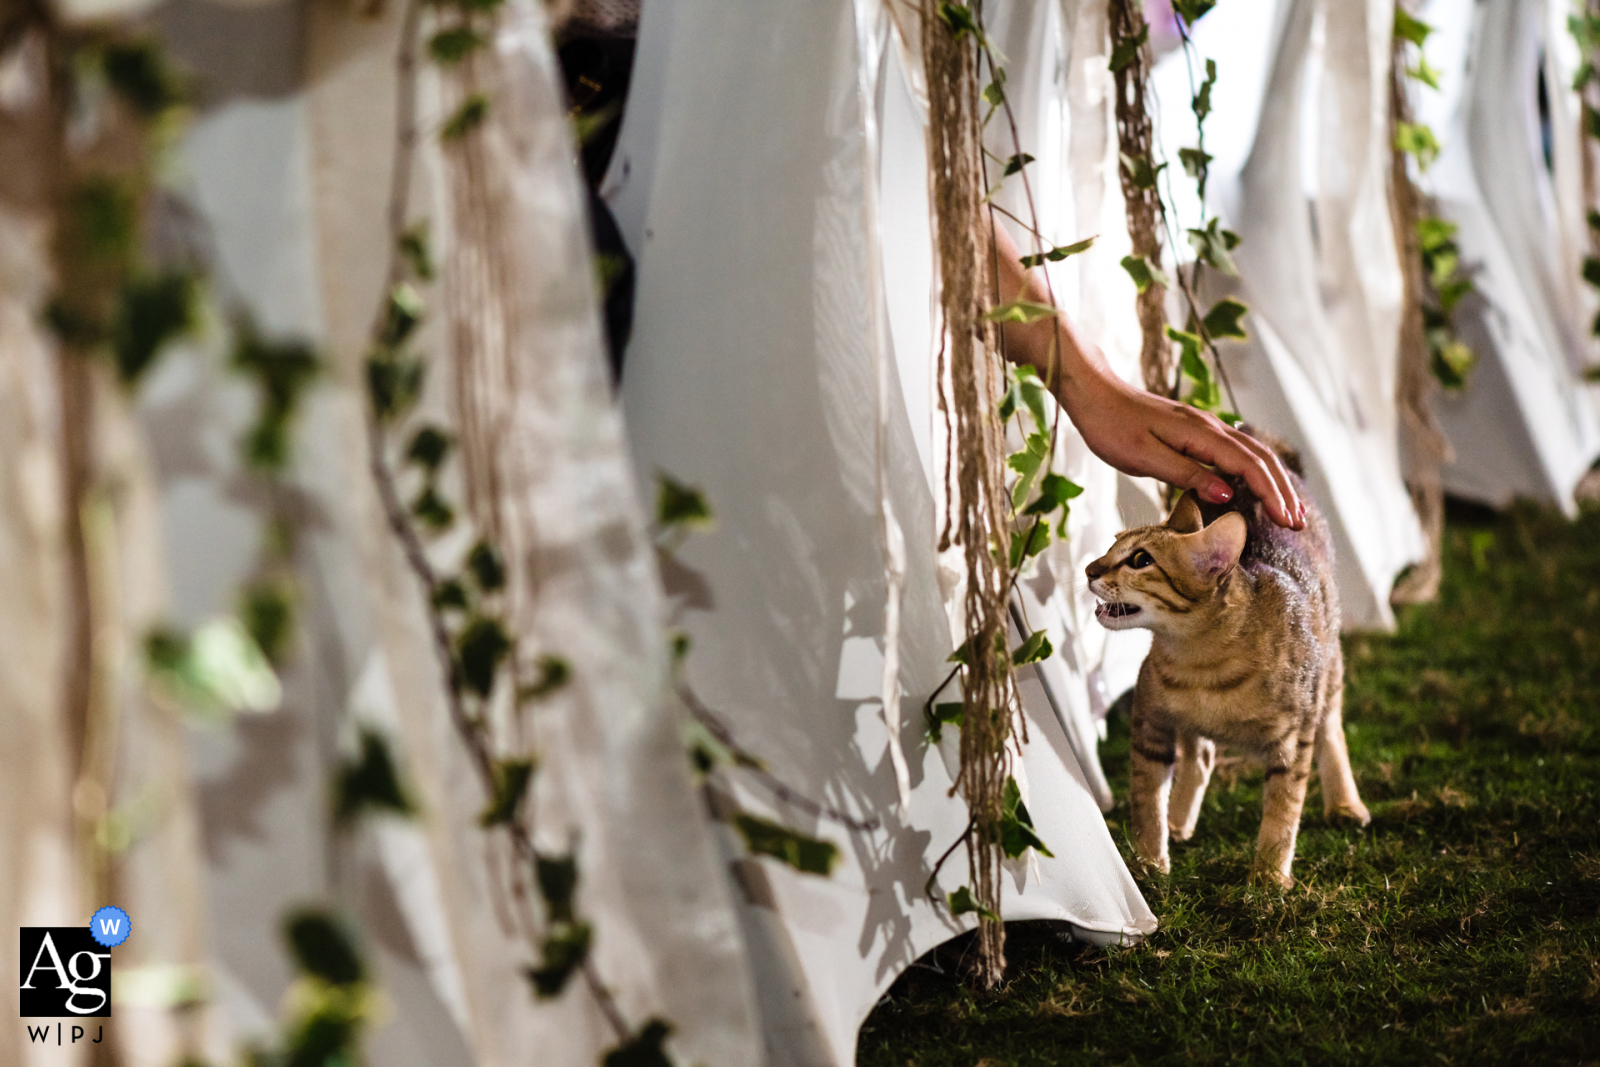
(1244, 618)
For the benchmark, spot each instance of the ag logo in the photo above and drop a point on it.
(65, 971)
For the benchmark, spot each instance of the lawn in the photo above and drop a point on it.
(1462, 926)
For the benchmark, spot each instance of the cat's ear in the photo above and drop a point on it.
(1217, 548)
(1186, 517)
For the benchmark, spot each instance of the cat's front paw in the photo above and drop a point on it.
(1270, 877)
(1354, 811)
(1159, 865)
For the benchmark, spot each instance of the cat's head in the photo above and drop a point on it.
(1156, 577)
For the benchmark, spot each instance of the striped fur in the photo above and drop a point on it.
(1245, 653)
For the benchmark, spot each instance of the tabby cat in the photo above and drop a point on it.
(1245, 652)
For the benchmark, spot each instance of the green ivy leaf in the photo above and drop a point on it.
(468, 117)
(680, 505)
(1222, 321)
(450, 595)
(1591, 270)
(370, 782)
(218, 669)
(961, 902)
(1192, 10)
(643, 1049)
(1127, 49)
(322, 946)
(511, 778)
(563, 952)
(1410, 28)
(267, 613)
(1201, 104)
(1451, 292)
(1017, 834)
(1015, 164)
(959, 18)
(1037, 647)
(1195, 162)
(1054, 492)
(767, 838)
(283, 371)
(486, 568)
(432, 510)
(1140, 171)
(104, 215)
(554, 673)
(402, 314)
(1058, 253)
(1593, 218)
(952, 712)
(558, 885)
(428, 448)
(1143, 273)
(1451, 360)
(449, 47)
(394, 382)
(1424, 72)
(1029, 542)
(1417, 139)
(416, 249)
(1023, 311)
(138, 73)
(1434, 234)
(152, 311)
(1213, 245)
(1591, 373)
(480, 649)
(1027, 464)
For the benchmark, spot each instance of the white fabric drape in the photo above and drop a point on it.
(1525, 425)
(1306, 188)
(751, 375)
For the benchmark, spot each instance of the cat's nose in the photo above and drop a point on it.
(1095, 569)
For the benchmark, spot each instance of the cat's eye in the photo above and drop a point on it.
(1140, 560)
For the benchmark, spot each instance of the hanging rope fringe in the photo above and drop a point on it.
(1139, 191)
(1423, 447)
(965, 256)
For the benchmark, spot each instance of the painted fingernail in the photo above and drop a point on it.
(1219, 493)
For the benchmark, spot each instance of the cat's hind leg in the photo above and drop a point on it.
(1339, 796)
(1154, 750)
(1196, 758)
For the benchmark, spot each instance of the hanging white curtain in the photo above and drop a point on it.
(285, 178)
(1302, 144)
(1525, 425)
(98, 783)
(752, 374)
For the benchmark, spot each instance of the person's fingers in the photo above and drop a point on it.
(1207, 439)
(1294, 507)
(1164, 463)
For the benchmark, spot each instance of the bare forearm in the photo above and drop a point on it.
(1052, 345)
(1134, 431)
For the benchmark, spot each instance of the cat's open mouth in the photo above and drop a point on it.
(1116, 610)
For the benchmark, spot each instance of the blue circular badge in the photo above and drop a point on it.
(110, 926)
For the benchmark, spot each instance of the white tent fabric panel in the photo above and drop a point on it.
(1525, 425)
(244, 179)
(1317, 264)
(284, 179)
(751, 376)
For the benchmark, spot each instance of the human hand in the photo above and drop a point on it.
(1142, 434)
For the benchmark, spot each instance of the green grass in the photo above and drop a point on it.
(1462, 926)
